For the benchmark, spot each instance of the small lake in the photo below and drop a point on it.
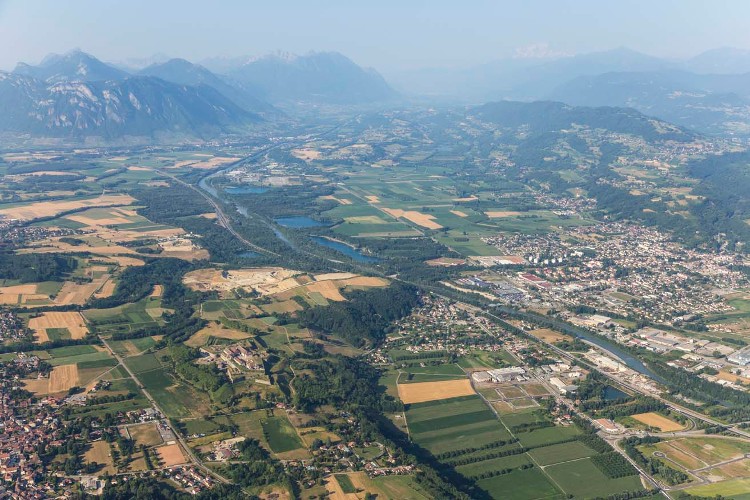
(611, 393)
(350, 252)
(245, 190)
(298, 222)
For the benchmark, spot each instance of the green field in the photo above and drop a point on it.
(453, 424)
(528, 484)
(143, 363)
(546, 436)
(73, 350)
(177, 400)
(584, 479)
(736, 489)
(281, 435)
(346, 483)
(562, 452)
(96, 356)
(510, 462)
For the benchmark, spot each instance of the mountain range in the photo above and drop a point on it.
(77, 96)
(708, 92)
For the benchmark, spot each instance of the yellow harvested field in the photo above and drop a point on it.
(100, 453)
(365, 219)
(433, 391)
(327, 289)
(71, 320)
(418, 218)
(373, 199)
(126, 261)
(39, 386)
(501, 214)
(209, 163)
(334, 276)
(145, 434)
(200, 337)
(445, 262)
(333, 488)
(62, 378)
(170, 455)
(106, 290)
(209, 215)
(306, 154)
(459, 213)
(464, 200)
(52, 208)
(89, 221)
(655, 420)
(139, 169)
(549, 335)
(367, 281)
(158, 291)
(19, 294)
(75, 293)
(342, 201)
(55, 246)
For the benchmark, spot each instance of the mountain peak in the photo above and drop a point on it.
(316, 76)
(74, 65)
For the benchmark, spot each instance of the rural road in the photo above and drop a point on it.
(195, 460)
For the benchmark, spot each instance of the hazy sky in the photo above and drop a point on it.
(389, 35)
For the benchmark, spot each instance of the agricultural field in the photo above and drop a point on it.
(658, 421)
(432, 391)
(144, 434)
(126, 318)
(44, 209)
(453, 424)
(282, 438)
(58, 325)
(583, 479)
(354, 485)
(720, 462)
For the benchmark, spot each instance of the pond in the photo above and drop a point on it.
(350, 252)
(611, 393)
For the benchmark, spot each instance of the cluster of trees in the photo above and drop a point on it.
(207, 378)
(487, 456)
(258, 468)
(531, 426)
(730, 404)
(339, 381)
(613, 465)
(148, 488)
(31, 267)
(364, 318)
(289, 201)
(466, 451)
(499, 472)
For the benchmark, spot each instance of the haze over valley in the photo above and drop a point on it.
(375, 251)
